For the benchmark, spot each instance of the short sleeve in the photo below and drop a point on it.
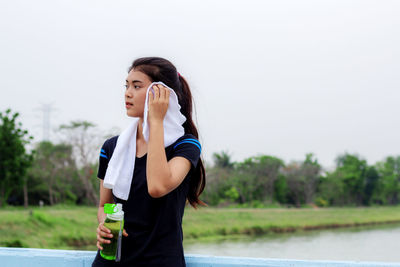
(188, 147)
(104, 157)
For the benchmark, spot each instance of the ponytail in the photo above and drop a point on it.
(198, 181)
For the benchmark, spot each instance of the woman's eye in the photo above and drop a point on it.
(135, 86)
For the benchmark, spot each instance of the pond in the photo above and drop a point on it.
(351, 244)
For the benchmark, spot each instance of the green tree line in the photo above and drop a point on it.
(264, 180)
(49, 173)
(65, 172)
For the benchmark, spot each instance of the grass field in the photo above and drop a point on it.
(74, 227)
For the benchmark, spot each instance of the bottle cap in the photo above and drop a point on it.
(114, 211)
(110, 208)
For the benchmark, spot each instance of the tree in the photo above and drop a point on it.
(388, 186)
(371, 185)
(332, 189)
(352, 182)
(311, 170)
(295, 182)
(351, 169)
(255, 177)
(14, 159)
(223, 160)
(55, 167)
(218, 182)
(302, 179)
(281, 189)
(80, 136)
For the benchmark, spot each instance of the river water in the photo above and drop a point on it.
(351, 244)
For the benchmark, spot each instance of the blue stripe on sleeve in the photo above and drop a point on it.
(190, 142)
(102, 150)
(103, 156)
(191, 139)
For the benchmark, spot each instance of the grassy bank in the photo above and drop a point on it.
(221, 223)
(60, 227)
(66, 227)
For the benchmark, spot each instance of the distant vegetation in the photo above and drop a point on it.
(65, 173)
(74, 227)
(263, 181)
(51, 173)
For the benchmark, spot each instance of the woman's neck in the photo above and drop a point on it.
(139, 134)
(141, 144)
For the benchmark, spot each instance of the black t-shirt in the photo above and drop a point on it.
(154, 225)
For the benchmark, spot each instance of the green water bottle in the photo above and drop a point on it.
(115, 222)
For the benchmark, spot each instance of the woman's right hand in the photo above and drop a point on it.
(103, 231)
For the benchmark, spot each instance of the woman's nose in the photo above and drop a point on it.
(128, 93)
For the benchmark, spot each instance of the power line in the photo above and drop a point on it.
(46, 110)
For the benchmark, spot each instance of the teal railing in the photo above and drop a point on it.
(31, 257)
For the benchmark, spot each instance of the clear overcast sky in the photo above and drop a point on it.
(282, 78)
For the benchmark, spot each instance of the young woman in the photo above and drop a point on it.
(164, 178)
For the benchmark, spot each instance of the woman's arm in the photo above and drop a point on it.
(105, 197)
(162, 176)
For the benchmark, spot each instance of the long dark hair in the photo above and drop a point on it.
(160, 69)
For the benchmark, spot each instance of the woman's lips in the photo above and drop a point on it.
(128, 105)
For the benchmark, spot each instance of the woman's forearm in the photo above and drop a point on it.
(101, 216)
(157, 169)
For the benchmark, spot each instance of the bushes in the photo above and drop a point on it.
(264, 180)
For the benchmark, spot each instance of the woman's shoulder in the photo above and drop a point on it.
(110, 143)
(187, 136)
(187, 146)
(187, 139)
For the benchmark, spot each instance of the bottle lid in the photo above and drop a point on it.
(114, 211)
(109, 208)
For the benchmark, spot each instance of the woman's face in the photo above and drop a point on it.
(135, 95)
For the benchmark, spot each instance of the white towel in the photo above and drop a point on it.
(121, 165)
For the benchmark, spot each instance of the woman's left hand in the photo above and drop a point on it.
(158, 103)
(124, 233)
